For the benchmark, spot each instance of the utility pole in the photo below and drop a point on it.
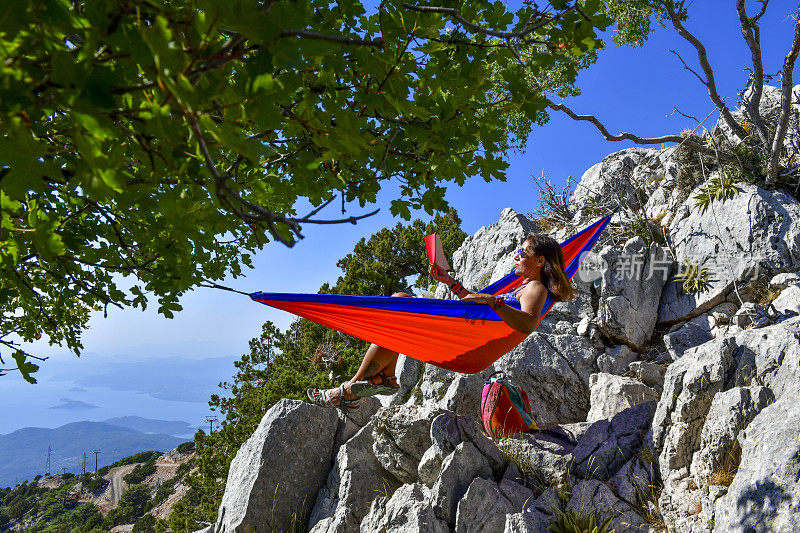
(96, 452)
(63, 470)
(83, 468)
(47, 469)
(211, 420)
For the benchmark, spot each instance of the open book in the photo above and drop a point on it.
(435, 252)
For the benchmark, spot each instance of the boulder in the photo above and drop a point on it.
(594, 497)
(408, 371)
(554, 370)
(692, 333)
(459, 468)
(355, 420)
(612, 394)
(401, 434)
(730, 412)
(611, 177)
(616, 360)
(276, 474)
(408, 509)
(651, 374)
(788, 301)
(355, 480)
(608, 444)
(518, 494)
(745, 370)
(448, 430)
(542, 458)
(765, 494)
(755, 232)
(483, 508)
(528, 521)
(635, 481)
(630, 290)
(785, 279)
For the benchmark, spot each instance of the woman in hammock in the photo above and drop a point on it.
(540, 262)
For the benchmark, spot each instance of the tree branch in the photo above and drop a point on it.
(687, 141)
(702, 57)
(786, 103)
(474, 28)
(608, 136)
(378, 43)
(752, 36)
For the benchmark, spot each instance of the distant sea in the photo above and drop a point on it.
(96, 388)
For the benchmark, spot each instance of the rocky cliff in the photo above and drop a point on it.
(671, 391)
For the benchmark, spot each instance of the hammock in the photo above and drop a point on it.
(461, 336)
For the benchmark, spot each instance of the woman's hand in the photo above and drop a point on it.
(481, 298)
(441, 275)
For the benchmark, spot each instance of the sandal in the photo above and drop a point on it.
(323, 398)
(371, 387)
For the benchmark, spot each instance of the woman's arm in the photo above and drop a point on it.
(525, 319)
(441, 275)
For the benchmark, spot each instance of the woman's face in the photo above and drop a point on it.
(527, 263)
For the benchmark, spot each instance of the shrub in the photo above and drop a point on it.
(132, 504)
(186, 447)
(720, 187)
(569, 522)
(140, 472)
(145, 524)
(692, 277)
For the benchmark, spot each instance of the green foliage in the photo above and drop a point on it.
(52, 510)
(163, 492)
(141, 457)
(569, 522)
(186, 447)
(285, 364)
(140, 472)
(692, 277)
(719, 188)
(131, 506)
(167, 141)
(145, 524)
(93, 483)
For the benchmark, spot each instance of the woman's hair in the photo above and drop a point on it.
(553, 275)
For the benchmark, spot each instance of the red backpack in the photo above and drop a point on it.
(505, 409)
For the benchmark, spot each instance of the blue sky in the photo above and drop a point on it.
(628, 89)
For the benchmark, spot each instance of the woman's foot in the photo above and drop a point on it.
(332, 397)
(377, 384)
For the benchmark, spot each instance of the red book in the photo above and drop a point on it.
(435, 252)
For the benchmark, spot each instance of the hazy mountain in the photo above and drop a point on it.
(24, 451)
(73, 405)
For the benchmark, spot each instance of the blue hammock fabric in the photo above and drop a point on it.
(461, 336)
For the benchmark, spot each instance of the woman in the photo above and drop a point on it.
(540, 262)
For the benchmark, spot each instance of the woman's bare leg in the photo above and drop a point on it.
(376, 359)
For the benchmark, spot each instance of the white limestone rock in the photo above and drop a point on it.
(279, 469)
(611, 394)
(408, 509)
(483, 508)
(755, 232)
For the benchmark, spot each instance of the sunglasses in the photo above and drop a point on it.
(525, 255)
